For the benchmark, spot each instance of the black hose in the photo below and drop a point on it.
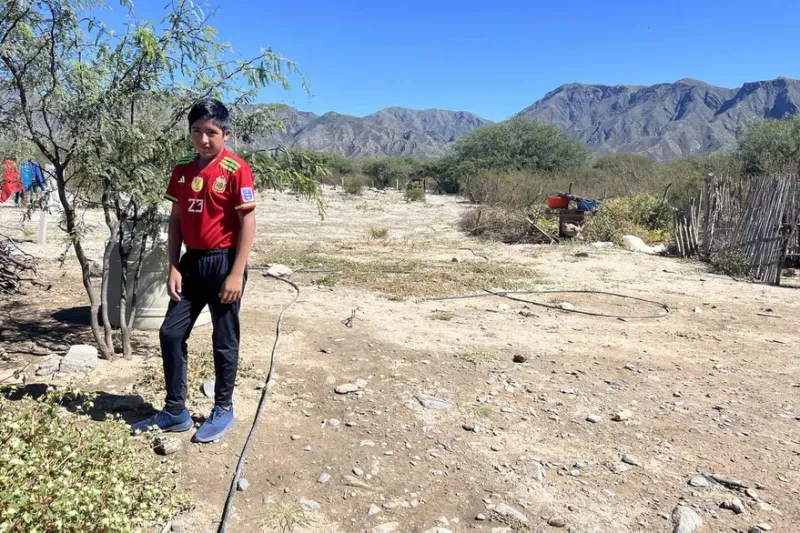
(506, 294)
(223, 525)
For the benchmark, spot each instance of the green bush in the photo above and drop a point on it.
(771, 146)
(415, 195)
(386, 172)
(637, 215)
(517, 144)
(354, 186)
(61, 472)
(731, 263)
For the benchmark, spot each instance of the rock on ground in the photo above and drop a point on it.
(506, 510)
(346, 388)
(699, 482)
(279, 271)
(80, 359)
(431, 402)
(208, 388)
(48, 367)
(388, 527)
(685, 520)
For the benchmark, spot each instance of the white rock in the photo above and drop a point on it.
(373, 510)
(685, 520)
(323, 478)
(594, 419)
(80, 359)
(566, 306)
(208, 388)
(437, 530)
(699, 482)
(279, 271)
(506, 510)
(536, 471)
(622, 416)
(309, 505)
(48, 367)
(431, 402)
(761, 528)
(603, 244)
(346, 388)
(388, 527)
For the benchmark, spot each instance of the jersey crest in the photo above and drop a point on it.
(219, 184)
(197, 184)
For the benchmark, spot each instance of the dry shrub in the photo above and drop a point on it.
(415, 195)
(354, 186)
(509, 226)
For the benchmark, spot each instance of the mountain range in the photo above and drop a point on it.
(663, 121)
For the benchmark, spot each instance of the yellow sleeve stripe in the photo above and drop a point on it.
(246, 206)
(170, 198)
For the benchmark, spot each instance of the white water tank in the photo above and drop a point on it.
(152, 300)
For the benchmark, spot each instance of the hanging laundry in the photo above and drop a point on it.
(12, 183)
(38, 175)
(26, 173)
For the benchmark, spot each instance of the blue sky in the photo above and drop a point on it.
(495, 58)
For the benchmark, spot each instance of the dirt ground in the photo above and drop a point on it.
(710, 388)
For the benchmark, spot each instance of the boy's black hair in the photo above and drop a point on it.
(211, 109)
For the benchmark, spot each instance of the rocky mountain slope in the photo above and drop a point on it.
(392, 131)
(663, 121)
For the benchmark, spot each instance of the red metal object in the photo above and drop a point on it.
(557, 202)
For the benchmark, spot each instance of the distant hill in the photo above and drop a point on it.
(393, 131)
(663, 121)
(667, 120)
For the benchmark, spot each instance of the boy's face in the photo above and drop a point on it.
(208, 138)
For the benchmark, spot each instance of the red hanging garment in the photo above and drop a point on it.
(12, 182)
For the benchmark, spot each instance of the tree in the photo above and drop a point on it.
(388, 171)
(771, 146)
(517, 144)
(107, 111)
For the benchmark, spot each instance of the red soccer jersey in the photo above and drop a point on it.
(209, 199)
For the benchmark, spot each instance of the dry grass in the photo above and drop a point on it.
(285, 518)
(442, 315)
(475, 358)
(410, 278)
(378, 233)
(200, 368)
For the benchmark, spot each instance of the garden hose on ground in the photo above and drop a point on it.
(507, 294)
(223, 525)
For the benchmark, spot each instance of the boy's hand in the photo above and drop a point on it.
(231, 288)
(174, 285)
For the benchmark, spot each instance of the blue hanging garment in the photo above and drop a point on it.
(38, 175)
(26, 173)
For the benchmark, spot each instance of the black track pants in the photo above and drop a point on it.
(204, 272)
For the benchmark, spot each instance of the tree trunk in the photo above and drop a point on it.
(113, 227)
(123, 282)
(80, 253)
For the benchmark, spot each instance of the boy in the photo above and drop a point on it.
(213, 214)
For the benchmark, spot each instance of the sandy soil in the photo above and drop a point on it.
(712, 387)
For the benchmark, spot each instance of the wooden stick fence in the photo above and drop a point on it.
(757, 218)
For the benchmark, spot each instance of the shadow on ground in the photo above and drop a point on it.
(130, 408)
